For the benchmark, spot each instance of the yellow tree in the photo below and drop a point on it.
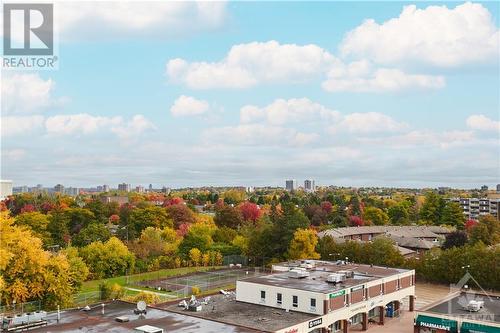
(195, 256)
(303, 245)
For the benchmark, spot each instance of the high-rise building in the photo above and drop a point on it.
(291, 185)
(484, 188)
(139, 189)
(150, 187)
(124, 187)
(165, 190)
(498, 187)
(309, 185)
(72, 191)
(105, 188)
(5, 188)
(59, 188)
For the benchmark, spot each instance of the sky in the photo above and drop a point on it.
(402, 94)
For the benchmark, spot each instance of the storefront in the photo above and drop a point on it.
(428, 324)
(467, 327)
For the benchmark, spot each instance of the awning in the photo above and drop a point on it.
(478, 328)
(436, 322)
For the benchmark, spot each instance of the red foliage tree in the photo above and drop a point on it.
(250, 211)
(326, 206)
(183, 229)
(181, 214)
(173, 201)
(470, 224)
(28, 208)
(3, 206)
(114, 219)
(47, 207)
(356, 221)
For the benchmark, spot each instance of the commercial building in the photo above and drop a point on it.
(5, 188)
(291, 185)
(473, 208)
(309, 185)
(460, 312)
(313, 296)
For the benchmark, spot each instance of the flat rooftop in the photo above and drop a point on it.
(316, 281)
(262, 318)
(455, 307)
(74, 321)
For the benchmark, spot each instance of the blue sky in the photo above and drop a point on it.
(252, 93)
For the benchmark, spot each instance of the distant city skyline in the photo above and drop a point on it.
(247, 93)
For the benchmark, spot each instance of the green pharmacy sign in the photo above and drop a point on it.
(338, 293)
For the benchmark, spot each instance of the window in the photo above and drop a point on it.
(295, 301)
(262, 295)
(313, 302)
(279, 298)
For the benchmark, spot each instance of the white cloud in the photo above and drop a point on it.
(358, 78)
(27, 93)
(83, 123)
(258, 135)
(189, 106)
(133, 128)
(282, 111)
(482, 123)
(424, 138)
(79, 123)
(164, 19)
(14, 125)
(249, 64)
(435, 35)
(368, 122)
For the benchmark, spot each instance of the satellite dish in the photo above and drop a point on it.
(141, 305)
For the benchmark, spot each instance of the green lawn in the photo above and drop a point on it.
(93, 285)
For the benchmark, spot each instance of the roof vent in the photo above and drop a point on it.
(298, 273)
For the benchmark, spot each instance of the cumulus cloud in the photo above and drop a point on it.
(482, 123)
(424, 138)
(189, 106)
(27, 93)
(246, 65)
(133, 128)
(436, 35)
(368, 122)
(15, 125)
(13, 154)
(164, 19)
(283, 111)
(381, 80)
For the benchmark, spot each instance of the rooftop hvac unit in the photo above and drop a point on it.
(336, 278)
(348, 274)
(298, 273)
(474, 306)
(306, 266)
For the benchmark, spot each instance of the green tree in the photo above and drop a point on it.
(375, 215)
(432, 208)
(142, 218)
(398, 214)
(91, 233)
(58, 228)
(199, 236)
(453, 215)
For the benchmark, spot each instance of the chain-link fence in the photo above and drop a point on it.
(13, 309)
(183, 286)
